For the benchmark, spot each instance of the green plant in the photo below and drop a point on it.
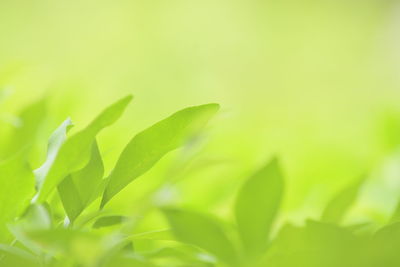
(323, 242)
(56, 216)
(37, 233)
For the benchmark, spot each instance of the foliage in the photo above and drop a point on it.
(57, 214)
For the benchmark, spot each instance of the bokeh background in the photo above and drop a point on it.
(315, 82)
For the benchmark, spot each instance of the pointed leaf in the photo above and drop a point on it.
(76, 151)
(256, 207)
(341, 203)
(56, 140)
(149, 146)
(79, 189)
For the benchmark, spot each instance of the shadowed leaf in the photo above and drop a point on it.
(79, 189)
(341, 203)
(204, 232)
(256, 207)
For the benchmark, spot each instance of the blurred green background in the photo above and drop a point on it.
(315, 82)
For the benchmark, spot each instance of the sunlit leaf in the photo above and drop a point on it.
(256, 207)
(75, 153)
(149, 146)
(56, 140)
(17, 186)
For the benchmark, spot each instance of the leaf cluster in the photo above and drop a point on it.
(56, 214)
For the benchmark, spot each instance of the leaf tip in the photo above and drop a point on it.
(127, 98)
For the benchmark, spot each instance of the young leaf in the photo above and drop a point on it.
(256, 207)
(17, 186)
(75, 152)
(149, 146)
(340, 204)
(79, 189)
(206, 233)
(56, 140)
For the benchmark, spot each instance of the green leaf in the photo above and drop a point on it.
(36, 217)
(70, 198)
(79, 189)
(24, 135)
(76, 151)
(121, 260)
(17, 186)
(153, 235)
(57, 139)
(149, 146)
(314, 245)
(13, 256)
(107, 221)
(181, 255)
(202, 231)
(256, 207)
(383, 247)
(84, 247)
(341, 203)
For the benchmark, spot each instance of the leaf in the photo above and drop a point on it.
(76, 151)
(36, 217)
(17, 186)
(257, 205)
(70, 198)
(30, 120)
(341, 203)
(182, 255)
(107, 221)
(206, 233)
(121, 260)
(56, 140)
(79, 189)
(84, 247)
(13, 256)
(383, 249)
(314, 245)
(149, 146)
(153, 235)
